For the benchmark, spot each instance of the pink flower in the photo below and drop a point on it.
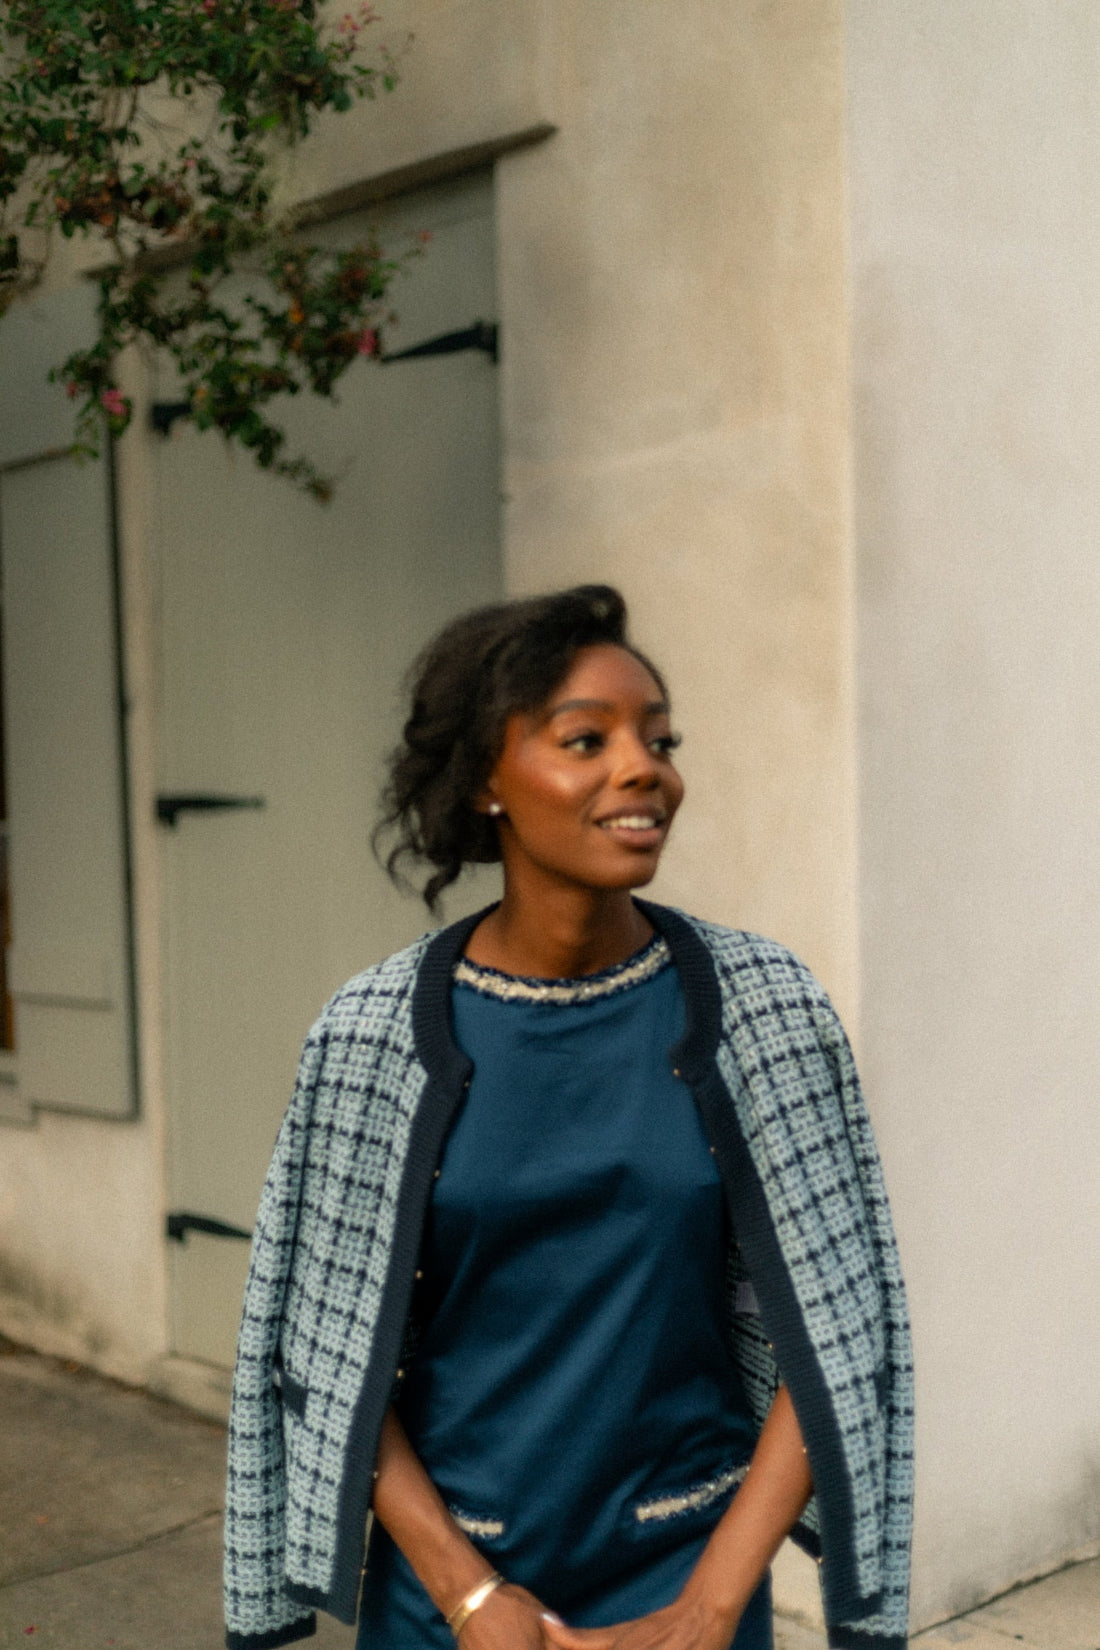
(72, 389)
(368, 342)
(209, 7)
(114, 403)
(347, 24)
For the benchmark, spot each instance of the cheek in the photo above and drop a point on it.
(545, 794)
(549, 790)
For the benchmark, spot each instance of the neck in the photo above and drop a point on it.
(567, 932)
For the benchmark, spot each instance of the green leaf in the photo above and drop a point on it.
(73, 85)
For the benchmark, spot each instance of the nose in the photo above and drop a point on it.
(636, 766)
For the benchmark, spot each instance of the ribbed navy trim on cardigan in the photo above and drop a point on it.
(304, 1629)
(850, 1638)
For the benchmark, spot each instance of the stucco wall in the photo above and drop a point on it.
(82, 1276)
(975, 142)
(674, 397)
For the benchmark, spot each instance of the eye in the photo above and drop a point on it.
(666, 743)
(583, 742)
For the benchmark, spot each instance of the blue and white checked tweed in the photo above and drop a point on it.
(787, 1064)
(324, 1230)
(327, 1227)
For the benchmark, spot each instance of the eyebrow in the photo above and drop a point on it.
(655, 708)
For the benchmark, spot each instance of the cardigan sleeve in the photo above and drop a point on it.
(889, 1625)
(259, 1612)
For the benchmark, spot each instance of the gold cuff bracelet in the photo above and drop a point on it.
(458, 1617)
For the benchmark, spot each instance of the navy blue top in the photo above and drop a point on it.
(573, 1397)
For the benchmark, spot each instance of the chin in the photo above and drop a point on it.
(637, 875)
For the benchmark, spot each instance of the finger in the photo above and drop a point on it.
(576, 1638)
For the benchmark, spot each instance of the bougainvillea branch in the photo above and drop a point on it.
(156, 126)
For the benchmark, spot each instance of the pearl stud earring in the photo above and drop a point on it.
(496, 808)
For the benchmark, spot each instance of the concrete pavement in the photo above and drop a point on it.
(110, 1516)
(110, 1532)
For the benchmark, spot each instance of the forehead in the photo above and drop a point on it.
(606, 672)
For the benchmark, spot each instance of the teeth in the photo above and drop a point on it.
(630, 822)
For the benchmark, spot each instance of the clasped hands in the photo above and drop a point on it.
(514, 1619)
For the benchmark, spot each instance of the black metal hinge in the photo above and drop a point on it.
(483, 335)
(180, 1222)
(171, 805)
(163, 414)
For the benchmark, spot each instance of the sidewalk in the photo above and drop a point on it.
(110, 1532)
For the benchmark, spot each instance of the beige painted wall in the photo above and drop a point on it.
(672, 300)
(975, 146)
(82, 1216)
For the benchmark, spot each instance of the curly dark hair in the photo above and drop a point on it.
(480, 670)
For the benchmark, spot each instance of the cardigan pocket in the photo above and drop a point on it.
(289, 1392)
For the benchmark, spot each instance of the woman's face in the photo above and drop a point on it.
(587, 784)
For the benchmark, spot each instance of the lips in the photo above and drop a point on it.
(639, 830)
(631, 822)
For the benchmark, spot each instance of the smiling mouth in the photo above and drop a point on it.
(632, 822)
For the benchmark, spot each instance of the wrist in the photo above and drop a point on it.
(713, 1599)
(445, 1561)
(473, 1601)
(455, 1578)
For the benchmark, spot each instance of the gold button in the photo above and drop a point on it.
(400, 1374)
(436, 1175)
(675, 1071)
(419, 1275)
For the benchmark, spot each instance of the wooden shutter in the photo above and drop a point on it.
(70, 963)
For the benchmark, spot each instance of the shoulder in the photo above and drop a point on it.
(754, 974)
(741, 951)
(378, 991)
(772, 1015)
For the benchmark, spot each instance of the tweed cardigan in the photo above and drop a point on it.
(338, 1232)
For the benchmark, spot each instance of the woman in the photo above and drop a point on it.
(574, 1262)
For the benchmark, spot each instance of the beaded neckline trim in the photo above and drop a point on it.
(516, 988)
